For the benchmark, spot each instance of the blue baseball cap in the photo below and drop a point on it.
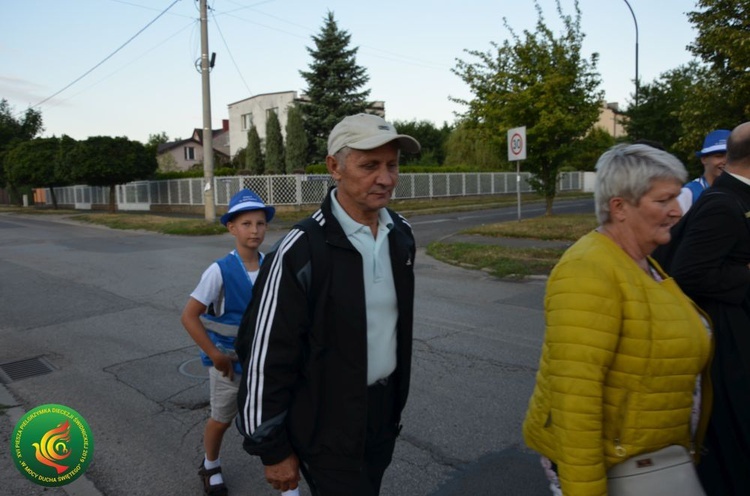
(715, 142)
(244, 201)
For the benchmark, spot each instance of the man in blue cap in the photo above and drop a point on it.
(713, 156)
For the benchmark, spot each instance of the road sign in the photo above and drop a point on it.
(517, 143)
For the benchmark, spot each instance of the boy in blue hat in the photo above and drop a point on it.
(212, 316)
(713, 156)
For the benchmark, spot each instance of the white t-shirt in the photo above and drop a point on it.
(210, 289)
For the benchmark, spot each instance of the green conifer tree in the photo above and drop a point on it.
(295, 155)
(274, 145)
(334, 85)
(253, 153)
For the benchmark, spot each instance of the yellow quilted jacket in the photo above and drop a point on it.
(618, 368)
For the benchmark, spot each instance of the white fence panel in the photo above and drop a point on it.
(300, 189)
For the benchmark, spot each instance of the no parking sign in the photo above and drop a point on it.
(517, 144)
(517, 152)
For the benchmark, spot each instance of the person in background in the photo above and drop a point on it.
(710, 263)
(713, 156)
(212, 315)
(327, 339)
(624, 348)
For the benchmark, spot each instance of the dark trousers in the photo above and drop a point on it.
(381, 440)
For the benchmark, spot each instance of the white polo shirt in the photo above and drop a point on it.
(380, 290)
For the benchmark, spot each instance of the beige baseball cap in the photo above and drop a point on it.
(366, 132)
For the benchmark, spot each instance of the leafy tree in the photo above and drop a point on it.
(13, 130)
(253, 152)
(590, 148)
(720, 95)
(107, 161)
(722, 41)
(166, 162)
(35, 163)
(63, 163)
(334, 84)
(154, 140)
(657, 116)
(274, 145)
(467, 146)
(296, 141)
(539, 81)
(430, 137)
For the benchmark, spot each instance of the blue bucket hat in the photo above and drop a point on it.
(715, 142)
(244, 201)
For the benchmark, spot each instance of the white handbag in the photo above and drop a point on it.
(667, 471)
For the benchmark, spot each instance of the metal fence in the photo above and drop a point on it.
(298, 189)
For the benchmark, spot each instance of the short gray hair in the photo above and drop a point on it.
(341, 156)
(627, 171)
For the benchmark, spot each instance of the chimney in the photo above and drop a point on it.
(225, 124)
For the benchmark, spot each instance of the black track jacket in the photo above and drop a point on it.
(303, 346)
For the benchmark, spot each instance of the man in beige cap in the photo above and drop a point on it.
(326, 343)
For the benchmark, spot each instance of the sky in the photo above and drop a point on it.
(127, 67)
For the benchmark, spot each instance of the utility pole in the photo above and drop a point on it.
(208, 138)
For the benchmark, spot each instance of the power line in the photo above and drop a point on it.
(192, 23)
(384, 54)
(108, 56)
(230, 53)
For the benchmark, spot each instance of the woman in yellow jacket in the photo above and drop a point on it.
(624, 348)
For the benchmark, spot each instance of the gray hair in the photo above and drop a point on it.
(627, 171)
(341, 156)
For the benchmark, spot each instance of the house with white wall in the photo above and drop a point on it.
(254, 111)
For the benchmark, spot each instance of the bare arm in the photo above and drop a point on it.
(192, 323)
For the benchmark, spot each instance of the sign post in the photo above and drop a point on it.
(517, 153)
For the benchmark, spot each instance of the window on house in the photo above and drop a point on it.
(189, 153)
(247, 121)
(272, 110)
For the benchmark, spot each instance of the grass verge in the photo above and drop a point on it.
(156, 223)
(564, 227)
(499, 261)
(515, 263)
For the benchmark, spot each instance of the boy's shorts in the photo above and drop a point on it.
(223, 395)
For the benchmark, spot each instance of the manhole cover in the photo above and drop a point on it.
(23, 369)
(194, 368)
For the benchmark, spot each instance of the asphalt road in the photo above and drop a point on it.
(102, 307)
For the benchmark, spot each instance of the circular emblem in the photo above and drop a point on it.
(52, 445)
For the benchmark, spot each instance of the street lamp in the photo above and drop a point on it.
(636, 50)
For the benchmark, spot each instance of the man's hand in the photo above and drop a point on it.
(284, 475)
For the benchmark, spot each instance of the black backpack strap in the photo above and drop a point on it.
(319, 262)
(319, 268)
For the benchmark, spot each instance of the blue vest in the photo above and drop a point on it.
(697, 186)
(238, 291)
